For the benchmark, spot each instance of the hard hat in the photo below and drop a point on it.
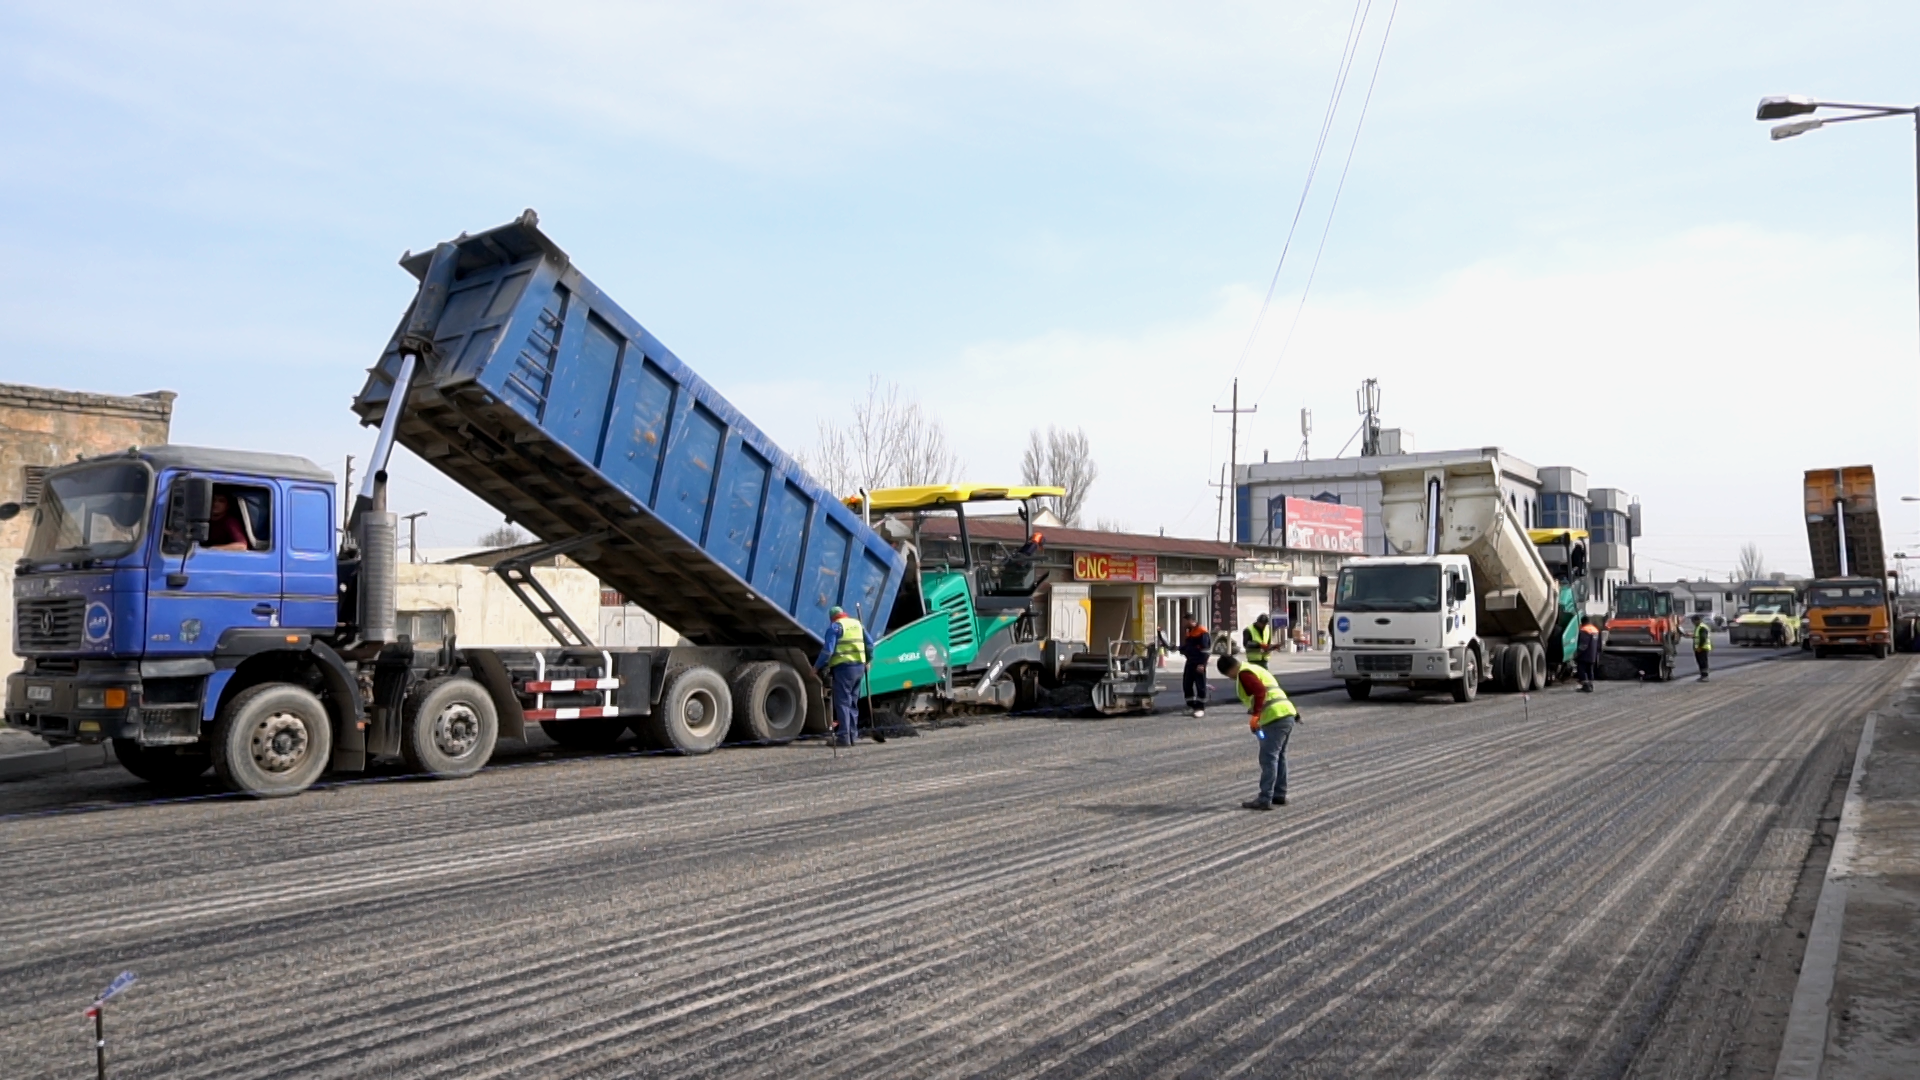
(836, 611)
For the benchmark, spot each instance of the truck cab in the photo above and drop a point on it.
(1849, 615)
(132, 630)
(1406, 620)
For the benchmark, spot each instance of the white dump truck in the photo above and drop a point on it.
(1465, 598)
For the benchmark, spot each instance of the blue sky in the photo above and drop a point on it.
(1562, 232)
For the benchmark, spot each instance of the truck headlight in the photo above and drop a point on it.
(101, 698)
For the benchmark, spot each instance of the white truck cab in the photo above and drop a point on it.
(1406, 620)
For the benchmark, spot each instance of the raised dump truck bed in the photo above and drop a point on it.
(543, 397)
(1843, 508)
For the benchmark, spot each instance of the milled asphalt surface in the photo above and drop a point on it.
(1570, 885)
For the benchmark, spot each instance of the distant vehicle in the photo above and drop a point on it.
(1772, 617)
(1849, 602)
(1644, 630)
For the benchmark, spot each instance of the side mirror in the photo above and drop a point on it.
(1460, 589)
(197, 503)
(9, 511)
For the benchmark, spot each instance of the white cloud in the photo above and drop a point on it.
(1703, 372)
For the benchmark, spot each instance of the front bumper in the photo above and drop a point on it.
(48, 704)
(1397, 665)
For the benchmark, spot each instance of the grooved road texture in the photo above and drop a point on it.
(1569, 886)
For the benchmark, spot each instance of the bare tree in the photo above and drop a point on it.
(1753, 562)
(1061, 458)
(891, 442)
(1112, 525)
(507, 535)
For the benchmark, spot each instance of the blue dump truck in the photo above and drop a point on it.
(196, 607)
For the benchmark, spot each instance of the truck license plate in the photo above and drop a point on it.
(39, 692)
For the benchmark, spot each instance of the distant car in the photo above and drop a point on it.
(1719, 621)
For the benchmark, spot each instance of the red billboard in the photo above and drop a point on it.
(1319, 526)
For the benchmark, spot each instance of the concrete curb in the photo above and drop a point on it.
(57, 760)
(1804, 1048)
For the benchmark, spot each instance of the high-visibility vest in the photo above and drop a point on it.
(1702, 638)
(1278, 707)
(852, 646)
(1258, 637)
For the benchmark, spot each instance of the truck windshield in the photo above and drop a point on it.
(1863, 594)
(97, 512)
(1633, 604)
(1389, 588)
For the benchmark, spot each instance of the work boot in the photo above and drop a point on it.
(1197, 713)
(1279, 800)
(879, 736)
(1257, 804)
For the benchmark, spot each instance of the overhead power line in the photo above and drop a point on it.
(1347, 53)
(1333, 208)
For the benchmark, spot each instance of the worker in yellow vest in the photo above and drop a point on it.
(1270, 716)
(1258, 640)
(1702, 644)
(843, 659)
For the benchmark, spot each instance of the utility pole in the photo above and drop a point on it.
(413, 549)
(1233, 457)
(1220, 501)
(1306, 435)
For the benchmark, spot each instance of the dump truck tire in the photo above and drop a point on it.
(769, 703)
(1522, 669)
(1359, 689)
(694, 713)
(163, 766)
(272, 740)
(598, 733)
(1537, 655)
(449, 728)
(1506, 669)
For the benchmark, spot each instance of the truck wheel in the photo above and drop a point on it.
(1522, 669)
(449, 728)
(1879, 652)
(1359, 689)
(694, 713)
(272, 740)
(1537, 653)
(598, 733)
(769, 703)
(1467, 686)
(165, 766)
(1819, 652)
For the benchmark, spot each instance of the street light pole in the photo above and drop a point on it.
(1781, 107)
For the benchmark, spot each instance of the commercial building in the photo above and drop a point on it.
(42, 428)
